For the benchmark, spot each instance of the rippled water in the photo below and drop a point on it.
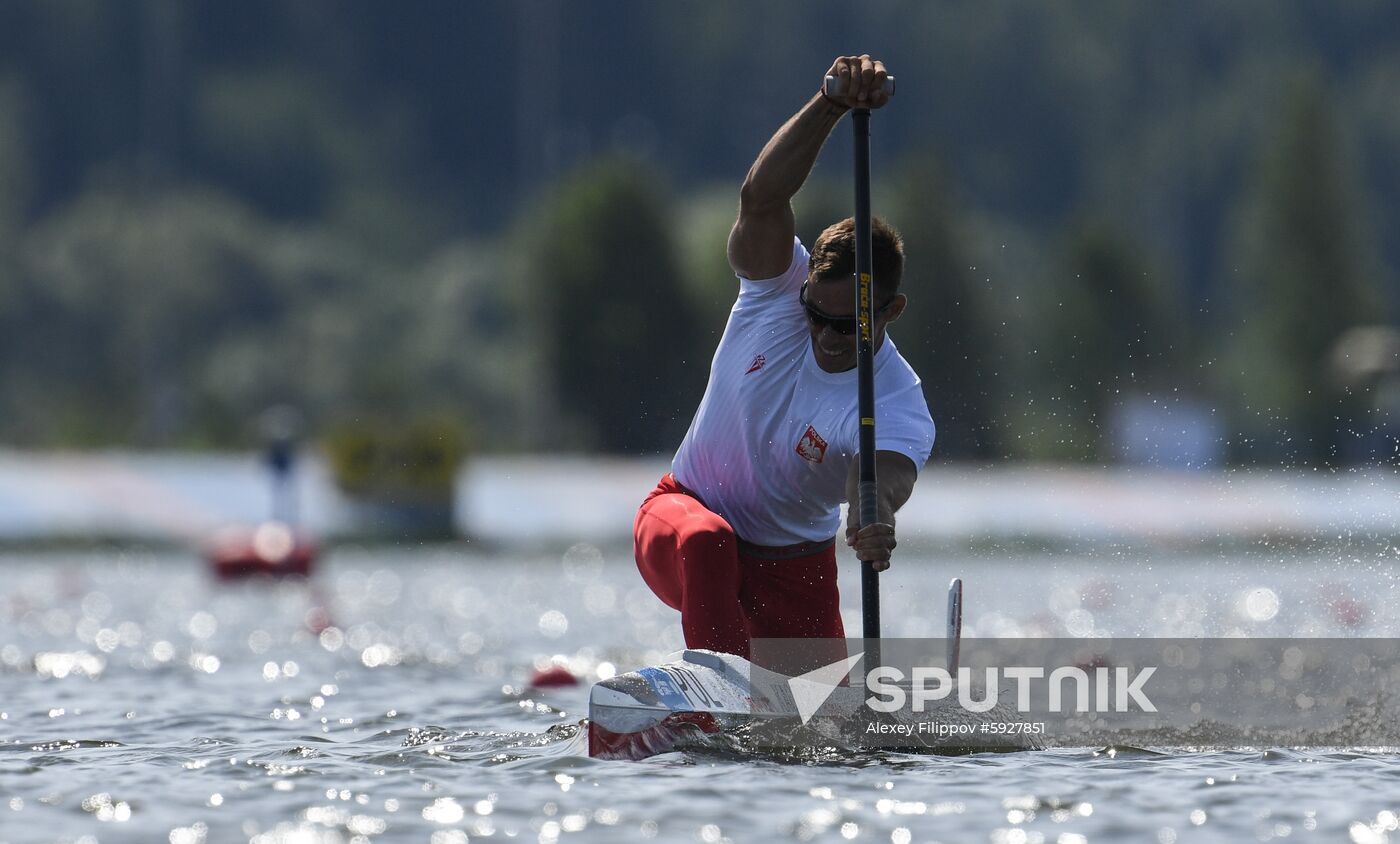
(140, 701)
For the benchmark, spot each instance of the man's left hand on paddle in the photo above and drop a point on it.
(874, 543)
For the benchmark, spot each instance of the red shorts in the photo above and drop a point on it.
(691, 559)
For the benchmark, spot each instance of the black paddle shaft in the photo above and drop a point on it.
(865, 367)
(865, 359)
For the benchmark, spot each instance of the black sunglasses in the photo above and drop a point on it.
(846, 325)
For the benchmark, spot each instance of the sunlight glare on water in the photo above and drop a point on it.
(143, 701)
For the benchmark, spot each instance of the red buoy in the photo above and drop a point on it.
(552, 677)
(272, 549)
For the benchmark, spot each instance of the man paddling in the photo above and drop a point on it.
(740, 535)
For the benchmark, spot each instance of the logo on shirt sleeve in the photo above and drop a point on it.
(758, 362)
(811, 447)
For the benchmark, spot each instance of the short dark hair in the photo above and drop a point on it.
(834, 254)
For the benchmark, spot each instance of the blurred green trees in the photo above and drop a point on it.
(1303, 273)
(615, 333)
(1109, 330)
(945, 332)
(206, 208)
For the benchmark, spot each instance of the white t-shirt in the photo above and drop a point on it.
(773, 440)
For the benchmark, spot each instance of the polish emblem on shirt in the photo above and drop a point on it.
(811, 447)
(758, 362)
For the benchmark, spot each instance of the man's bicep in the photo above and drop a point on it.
(760, 244)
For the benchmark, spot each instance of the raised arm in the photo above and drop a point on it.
(760, 244)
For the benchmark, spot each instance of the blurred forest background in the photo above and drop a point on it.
(1136, 231)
